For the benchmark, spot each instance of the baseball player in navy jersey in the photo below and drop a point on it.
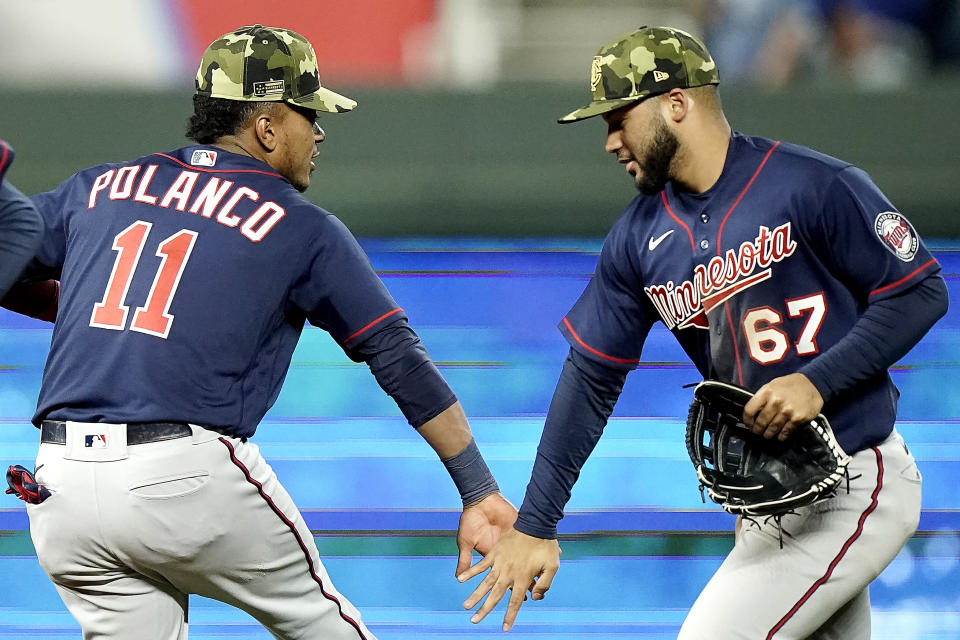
(186, 279)
(777, 268)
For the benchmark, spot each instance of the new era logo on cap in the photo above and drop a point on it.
(95, 441)
(660, 76)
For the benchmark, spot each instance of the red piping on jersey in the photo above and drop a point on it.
(594, 351)
(663, 196)
(736, 347)
(6, 152)
(744, 192)
(843, 550)
(726, 305)
(904, 278)
(359, 331)
(296, 535)
(193, 168)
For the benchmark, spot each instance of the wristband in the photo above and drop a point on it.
(471, 474)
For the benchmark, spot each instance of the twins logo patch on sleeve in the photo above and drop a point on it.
(897, 235)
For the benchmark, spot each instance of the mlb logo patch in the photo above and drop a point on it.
(95, 441)
(203, 158)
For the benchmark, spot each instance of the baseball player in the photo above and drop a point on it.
(20, 225)
(186, 279)
(777, 268)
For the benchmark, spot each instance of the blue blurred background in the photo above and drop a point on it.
(638, 543)
(484, 219)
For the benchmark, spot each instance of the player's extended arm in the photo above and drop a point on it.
(886, 331)
(581, 406)
(487, 515)
(403, 369)
(21, 229)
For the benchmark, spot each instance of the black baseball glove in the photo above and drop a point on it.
(750, 475)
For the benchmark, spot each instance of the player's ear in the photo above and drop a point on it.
(677, 103)
(265, 127)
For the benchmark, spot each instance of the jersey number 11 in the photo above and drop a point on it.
(153, 317)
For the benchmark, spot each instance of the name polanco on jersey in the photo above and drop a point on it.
(722, 277)
(214, 200)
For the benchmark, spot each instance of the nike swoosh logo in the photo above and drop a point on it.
(654, 243)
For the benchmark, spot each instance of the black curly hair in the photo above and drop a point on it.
(214, 118)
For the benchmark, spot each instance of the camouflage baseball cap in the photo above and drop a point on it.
(266, 64)
(647, 62)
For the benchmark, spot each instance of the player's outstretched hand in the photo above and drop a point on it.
(779, 406)
(481, 525)
(517, 562)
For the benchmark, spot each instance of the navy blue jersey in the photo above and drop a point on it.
(756, 276)
(187, 279)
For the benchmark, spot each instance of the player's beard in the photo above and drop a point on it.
(656, 162)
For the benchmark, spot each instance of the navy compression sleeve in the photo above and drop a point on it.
(885, 332)
(583, 401)
(402, 367)
(21, 228)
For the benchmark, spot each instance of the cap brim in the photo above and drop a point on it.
(325, 100)
(597, 108)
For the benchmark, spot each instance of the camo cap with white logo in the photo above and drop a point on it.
(647, 62)
(266, 64)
